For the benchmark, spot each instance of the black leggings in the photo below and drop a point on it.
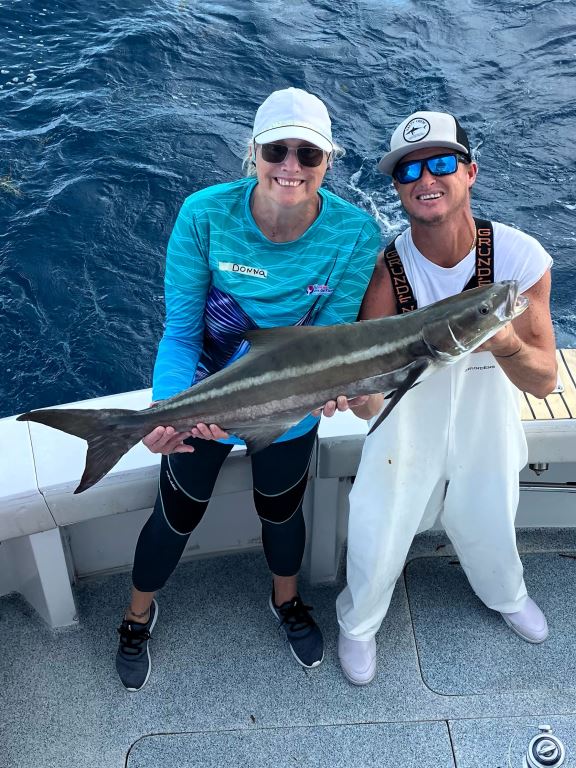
(279, 475)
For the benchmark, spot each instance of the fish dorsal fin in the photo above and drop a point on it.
(262, 339)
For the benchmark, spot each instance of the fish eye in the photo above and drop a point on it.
(484, 309)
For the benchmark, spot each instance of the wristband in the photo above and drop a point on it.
(512, 353)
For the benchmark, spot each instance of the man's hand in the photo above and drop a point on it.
(525, 349)
(503, 343)
(342, 403)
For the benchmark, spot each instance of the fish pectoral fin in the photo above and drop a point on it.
(391, 394)
(260, 436)
(414, 371)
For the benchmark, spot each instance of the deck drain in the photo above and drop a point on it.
(545, 750)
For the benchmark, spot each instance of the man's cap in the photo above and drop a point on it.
(421, 130)
(293, 114)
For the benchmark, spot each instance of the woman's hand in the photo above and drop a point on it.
(167, 440)
(209, 432)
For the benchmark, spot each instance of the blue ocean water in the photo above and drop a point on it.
(111, 113)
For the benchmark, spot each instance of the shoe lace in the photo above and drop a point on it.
(296, 615)
(132, 640)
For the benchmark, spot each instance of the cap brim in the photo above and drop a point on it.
(294, 132)
(388, 162)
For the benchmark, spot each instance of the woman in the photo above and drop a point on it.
(272, 249)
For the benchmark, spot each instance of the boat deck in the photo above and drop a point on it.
(454, 688)
(560, 405)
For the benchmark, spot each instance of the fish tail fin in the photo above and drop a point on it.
(110, 433)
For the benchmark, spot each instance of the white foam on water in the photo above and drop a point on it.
(389, 223)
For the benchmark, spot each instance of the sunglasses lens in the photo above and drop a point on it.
(405, 173)
(310, 156)
(441, 166)
(274, 153)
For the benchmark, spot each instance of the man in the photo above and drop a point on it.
(454, 445)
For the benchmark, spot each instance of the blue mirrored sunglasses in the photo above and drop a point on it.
(439, 165)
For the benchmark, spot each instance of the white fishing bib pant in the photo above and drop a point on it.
(452, 448)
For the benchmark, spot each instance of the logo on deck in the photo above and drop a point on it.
(316, 288)
(416, 129)
(242, 269)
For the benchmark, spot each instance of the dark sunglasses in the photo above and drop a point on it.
(439, 165)
(311, 157)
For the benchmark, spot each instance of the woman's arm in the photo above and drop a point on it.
(187, 281)
(186, 284)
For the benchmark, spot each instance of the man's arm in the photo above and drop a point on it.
(526, 348)
(379, 301)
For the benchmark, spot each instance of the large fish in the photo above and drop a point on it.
(290, 371)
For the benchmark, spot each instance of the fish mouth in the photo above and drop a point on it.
(515, 304)
(520, 305)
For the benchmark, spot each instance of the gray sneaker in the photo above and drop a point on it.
(133, 662)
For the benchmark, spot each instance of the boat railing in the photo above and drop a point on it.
(51, 536)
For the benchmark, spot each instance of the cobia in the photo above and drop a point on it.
(290, 371)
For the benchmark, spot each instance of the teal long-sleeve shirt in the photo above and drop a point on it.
(223, 277)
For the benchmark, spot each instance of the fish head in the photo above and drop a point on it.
(465, 321)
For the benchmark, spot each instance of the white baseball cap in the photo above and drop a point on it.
(293, 114)
(421, 130)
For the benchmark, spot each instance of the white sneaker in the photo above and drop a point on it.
(357, 659)
(530, 623)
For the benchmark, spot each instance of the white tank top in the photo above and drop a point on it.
(517, 256)
(470, 411)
